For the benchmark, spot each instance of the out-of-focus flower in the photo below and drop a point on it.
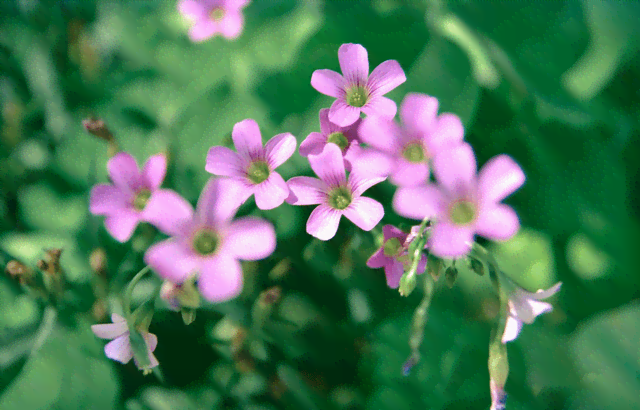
(394, 247)
(462, 203)
(404, 152)
(335, 195)
(209, 244)
(253, 166)
(136, 196)
(355, 90)
(211, 17)
(524, 307)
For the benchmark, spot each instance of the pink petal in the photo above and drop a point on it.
(168, 211)
(154, 171)
(393, 273)
(250, 239)
(220, 199)
(390, 231)
(543, 294)
(381, 133)
(455, 169)
(378, 259)
(153, 360)
(372, 162)
(116, 318)
(329, 165)
(271, 193)
(360, 181)
(450, 241)
(326, 126)
(110, 330)
(172, 260)
(313, 144)
(122, 224)
(108, 199)
(364, 212)
(231, 24)
(351, 155)
(422, 265)
(511, 330)
(498, 222)
(538, 307)
(247, 139)
(409, 174)
(343, 114)
(151, 340)
(192, 9)
(418, 112)
(380, 107)
(499, 178)
(225, 162)
(119, 349)
(385, 77)
(220, 279)
(419, 202)
(323, 222)
(328, 82)
(306, 191)
(123, 171)
(203, 30)
(279, 149)
(447, 133)
(354, 63)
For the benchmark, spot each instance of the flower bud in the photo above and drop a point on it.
(97, 128)
(19, 271)
(407, 284)
(264, 305)
(450, 275)
(434, 266)
(477, 266)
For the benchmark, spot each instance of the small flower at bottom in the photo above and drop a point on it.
(253, 166)
(335, 195)
(211, 17)
(210, 244)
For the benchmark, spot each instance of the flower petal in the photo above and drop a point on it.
(448, 240)
(378, 259)
(393, 273)
(151, 340)
(385, 77)
(203, 30)
(306, 191)
(323, 222)
(225, 162)
(231, 24)
(418, 112)
(419, 202)
(407, 173)
(354, 63)
(499, 178)
(220, 279)
(279, 149)
(329, 165)
(390, 231)
(313, 144)
(250, 239)
(379, 106)
(328, 82)
(247, 139)
(455, 169)
(447, 133)
(360, 181)
(108, 199)
(343, 114)
(154, 171)
(220, 199)
(370, 161)
(381, 133)
(497, 221)
(192, 10)
(543, 294)
(122, 224)
(511, 330)
(172, 260)
(119, 349)
(364, 212)
(123, 171)
(110, 330)
(271, 193)
(538, 307)
(168, 211)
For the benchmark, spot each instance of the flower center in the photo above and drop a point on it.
(414, 153)
(462, 212)
(258, 172)
(216, 14)
(205, 242)
(340, 198)
(339, 139)
(141, 199)
(392, 247)
(357, 96)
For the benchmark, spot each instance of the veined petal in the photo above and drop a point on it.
(250, 239)
(343, 114)
(329, 165)
(306, 191)
(123, 171)
(279, 149)
(172, 260)
(378, 259)
(393, 273)
(328, 82)
(381, 133)
(354, 63)
(220, 279)
(419, 202)
(455, 168)
(418, 112)
(220, 199)
(108, 199)
(168, 211)
(225, 162)
(512, 329)
(407, 173)
(248, 140)
(231, 24)
(364, 212)
(448, 132)
(313, 144)
(122, 224)
(119, 349)
(498, 222)
(323, 222)
(110, 330)
(499, 178)
(381, 107)
(154, 171)
(385, 77)
(360, 181)
(448, 240)
(271, 193)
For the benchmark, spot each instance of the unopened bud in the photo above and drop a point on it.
(477, 266)
(98, 261)
(263, 307)
(434, 266)
(168, 293)
(42, 265)
(188, 315)
(407, 284)
(271, 295)
(19, 271)
(450, 275)
(97, 128)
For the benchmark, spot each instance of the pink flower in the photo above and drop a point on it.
(253, 166)
(119, 349)
(335, 195)
(524, 307)
(210, 17)
(405, 151)
(209, 243)
(394, 247)
(136, 196)
(356, 91)
(462, 203)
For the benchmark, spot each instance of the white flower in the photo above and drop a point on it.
(524, 307)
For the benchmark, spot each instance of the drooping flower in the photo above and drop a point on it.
(253, 166)
(335, 195)
(524, 307)
(211, 17)
(136, 196)
(209, 244)
(462, 203)
(119, 349)
(355, 90)
(405, 151)
(393, 249)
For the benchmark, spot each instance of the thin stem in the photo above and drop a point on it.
(126, 298)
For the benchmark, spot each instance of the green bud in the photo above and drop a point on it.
(477, 266)
(434, 266)
(188, 315)
(407, 284)
(188, 296)
(450, 275)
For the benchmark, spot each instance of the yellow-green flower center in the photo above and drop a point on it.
(216, 14)
(392, 247)
(141, 199)
(462, 212)
(414, 153)
(340, 198)
(205, 242)
(357, 96)
(339, 139)
(258, 172)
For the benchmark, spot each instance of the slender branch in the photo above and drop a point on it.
(126, 298)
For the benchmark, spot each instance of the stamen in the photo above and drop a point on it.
(340, 198)
(357, 96)
(339, 139)
(205, 242)
(462, 213)
(414, 153)
(258, 172)
(141, 199)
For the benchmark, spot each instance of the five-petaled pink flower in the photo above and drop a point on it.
(462, 203)
(136, 196)
(119, 348)
(209, 244)
(253, 166)
(394, 247)
(355, 90)
(210, 17)
(405, 151)
(335, 195)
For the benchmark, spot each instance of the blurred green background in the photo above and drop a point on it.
(555, 84)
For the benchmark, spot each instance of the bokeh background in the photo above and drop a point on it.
(555, 84)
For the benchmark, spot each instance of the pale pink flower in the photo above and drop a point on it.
(211, 17)
(524, 307)
(355, 90)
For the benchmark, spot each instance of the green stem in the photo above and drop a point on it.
(126, 298)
